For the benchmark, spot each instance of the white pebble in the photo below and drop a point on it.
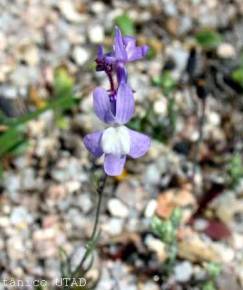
(160, 107)
(156, 246)
(149, 285)
(214, 118)
(152, 175)
(227, 254)
(97, 7)
(183, 271)
(113, 227)
(80, 55)
(150, 208)
(96, 34)
(69, 11)
(85, 202)
(117, 208)
(200, 224)
(226, 50)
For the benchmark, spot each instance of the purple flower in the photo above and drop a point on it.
(116, 107)
(116, 143)
(124, 51)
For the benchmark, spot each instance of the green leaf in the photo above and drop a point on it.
(164, 229)
(165, 81)
(172, 114)
(20, 147)
(63, 83)
(156, 81)
(209, 39)
(14, 136)
(151, 53)
(13, 140)
(213, 269)
(125, 23)
(209, 286)
(176, 217)
(62, 103)
(62, 122)
(237, 76)
(235, 169)
(1, 170)
(9, 140)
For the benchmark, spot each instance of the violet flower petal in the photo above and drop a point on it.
(121, 72)
(119, 48)
(124, 103)
(140, 144)
(102, 106)
(110, 58)
(100, 52)
(129, 41)
(114, 164)
(136, 53)
(92, 143)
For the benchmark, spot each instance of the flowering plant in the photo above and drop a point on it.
(115, 107)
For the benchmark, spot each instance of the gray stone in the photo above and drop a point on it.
(117, 208)
(84, 202)
(69, 12)
(183, 271)
(20, 216)
(150, 208)
(114, 226)
(80, 55)
(96, 34)
(152, 175)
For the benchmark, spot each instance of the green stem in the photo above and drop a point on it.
(93, 238)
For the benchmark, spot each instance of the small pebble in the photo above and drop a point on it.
(183, 271)
(226, 50)
(69, 12)
(150, 208)
(20, 216)
(150, 286)
(157, 246)
(80, 55)
(113, 226)
(152, 175)
(96, 34)
(117, 208)
(160, 107)
(84, 201)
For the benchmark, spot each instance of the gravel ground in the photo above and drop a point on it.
(47, 200)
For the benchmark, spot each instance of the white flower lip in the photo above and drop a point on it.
(116, 141)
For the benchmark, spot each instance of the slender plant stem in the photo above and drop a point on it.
(100, 191)
(199, 141)
(92, 240)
